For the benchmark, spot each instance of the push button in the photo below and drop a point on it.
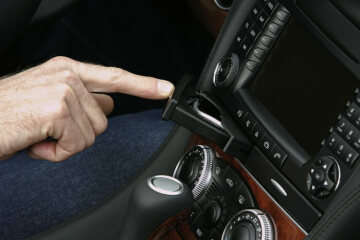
(274, 28)
(340, 149)
(267, 144)
(248, 123)
(267, 41)
(318, 175)
(327, 184)
(342, 126)
(281, 15)
(357, 120)
(350, 134)
(240, 113)
(259, 53)
(243, 197)
(350, 157)
(220, 168)
(245, 46)
(257, 134)
(256, 11)
(261, 20)
(332, 141)
(356, 142)
(278, 156)
(252, 65)
(231, 180)
(254, 32)
(248, 24)
(352, 111)
(270, 6)
(240, 37)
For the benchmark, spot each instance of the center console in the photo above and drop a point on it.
(289, 113)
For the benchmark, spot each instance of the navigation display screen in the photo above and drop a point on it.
(304, 87)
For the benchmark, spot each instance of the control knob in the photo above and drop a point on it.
(194, 169)
(249, 224)
(226, 71)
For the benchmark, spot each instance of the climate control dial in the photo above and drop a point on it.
(249, 224)
(194, 169)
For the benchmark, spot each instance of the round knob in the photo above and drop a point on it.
(212, 214)
(243, 231)
(226, 71)
(249, 224)
(194, 169)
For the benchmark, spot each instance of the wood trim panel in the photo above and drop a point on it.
(210, 15)
(286, 229)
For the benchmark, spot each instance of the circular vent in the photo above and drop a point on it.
(224, 4)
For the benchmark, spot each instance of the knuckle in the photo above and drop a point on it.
(116, 74)
(60, 110)
(101, 125)
(60, 60)
(69, 76)
(90, 139)
(65, 91)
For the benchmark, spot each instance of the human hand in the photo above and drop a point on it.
(58, 99)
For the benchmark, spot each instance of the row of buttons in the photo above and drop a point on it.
(233, 183)
(267, 39)
(261, 138)
(254, 24)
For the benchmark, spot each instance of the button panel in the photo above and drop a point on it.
(227, 194)
(344, 139)
(263, 24)
(260, 137)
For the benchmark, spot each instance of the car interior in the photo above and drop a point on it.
(266, 106)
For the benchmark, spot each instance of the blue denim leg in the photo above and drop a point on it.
(36, 195)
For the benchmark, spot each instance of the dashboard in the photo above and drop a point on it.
(269, 139)
(292, 91)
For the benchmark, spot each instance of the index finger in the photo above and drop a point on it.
(98, 78)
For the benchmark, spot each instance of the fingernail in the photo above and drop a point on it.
(165, 87)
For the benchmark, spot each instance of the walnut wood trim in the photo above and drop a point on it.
(210, 15)
(167, 230)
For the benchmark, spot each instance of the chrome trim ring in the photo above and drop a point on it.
(205, 177)
(266, 224)
(221, 6)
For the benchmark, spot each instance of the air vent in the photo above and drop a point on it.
(224, 4)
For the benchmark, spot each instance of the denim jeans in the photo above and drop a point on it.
(36, 195)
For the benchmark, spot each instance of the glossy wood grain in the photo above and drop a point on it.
(167, 230)
(209, 15)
